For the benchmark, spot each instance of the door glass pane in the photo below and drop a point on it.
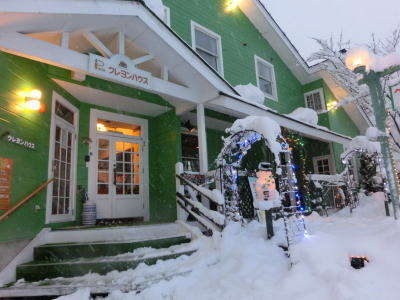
(118, 127)
(119, 189)
(127, 165)
(64, 113)
(62, 167)
(102, 189)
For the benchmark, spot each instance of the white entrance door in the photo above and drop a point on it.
(118, 167)
(119, 177)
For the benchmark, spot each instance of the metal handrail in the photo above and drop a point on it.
(26, 199)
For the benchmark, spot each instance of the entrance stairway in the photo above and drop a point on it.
(71, 259)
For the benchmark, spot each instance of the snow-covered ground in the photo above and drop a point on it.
(244, 265)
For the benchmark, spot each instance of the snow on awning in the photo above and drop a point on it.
(239, 107)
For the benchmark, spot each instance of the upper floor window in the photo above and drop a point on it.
(266, 78)
(315, 100)
(208, 45)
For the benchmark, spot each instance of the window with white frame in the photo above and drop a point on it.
(208, 45)
(322, 165)
(315, 100)
(266, 78)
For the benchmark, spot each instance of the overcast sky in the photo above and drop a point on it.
(303, 19)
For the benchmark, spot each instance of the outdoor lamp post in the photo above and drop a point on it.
(360, 62)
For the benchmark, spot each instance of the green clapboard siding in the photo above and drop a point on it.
(31, 166)
(240, 42)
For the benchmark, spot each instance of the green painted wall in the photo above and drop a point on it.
(214, 146)
(30, 167)
(336, 120)
(164, 154)
(240, 42)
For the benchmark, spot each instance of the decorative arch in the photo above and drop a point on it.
(236, 146)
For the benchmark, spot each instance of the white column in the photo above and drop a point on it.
(201, 132)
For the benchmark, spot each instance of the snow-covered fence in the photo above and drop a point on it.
(332, 191)
(189, 196)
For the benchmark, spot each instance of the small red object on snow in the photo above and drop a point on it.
(357, 262)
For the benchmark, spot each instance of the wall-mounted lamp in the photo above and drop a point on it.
(32, 100)
(231, 5)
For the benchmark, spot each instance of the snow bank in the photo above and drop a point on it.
(251, 92)
(372, 133)
(306, 115)
(263, 125)
(157, 7)
(80, 294)
(242, 264)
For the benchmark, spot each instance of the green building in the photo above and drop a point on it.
(126, 92)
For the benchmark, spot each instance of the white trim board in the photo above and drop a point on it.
(235, 107)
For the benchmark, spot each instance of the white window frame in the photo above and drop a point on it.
(323, 157)
(321, 95)
(194, 26)
(50, 218)
(258, 59)
(167, 16)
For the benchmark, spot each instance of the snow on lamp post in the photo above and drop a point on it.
(372, 69)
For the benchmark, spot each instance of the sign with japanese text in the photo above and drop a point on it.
(396, 95)
(21, 142)
(119, 68)
(5, 182)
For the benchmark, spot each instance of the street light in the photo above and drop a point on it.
(360, 61)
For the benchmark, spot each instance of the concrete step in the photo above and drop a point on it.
(68, 251)
(40, 270)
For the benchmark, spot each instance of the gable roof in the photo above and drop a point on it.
(276, 37)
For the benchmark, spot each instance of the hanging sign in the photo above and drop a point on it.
(5, 182)
(21, 142)
(119, 68)
(396, 95)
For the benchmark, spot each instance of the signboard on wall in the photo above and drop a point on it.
(119, 68)
(5, 182)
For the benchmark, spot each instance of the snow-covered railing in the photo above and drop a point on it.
(189, 195)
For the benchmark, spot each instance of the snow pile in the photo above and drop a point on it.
(251, 92)
(306, 115)
(78, 295)
(361, 143)
(157, 7)
(372, 133)
(242, 264)
(263, 125)
(214, 195)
